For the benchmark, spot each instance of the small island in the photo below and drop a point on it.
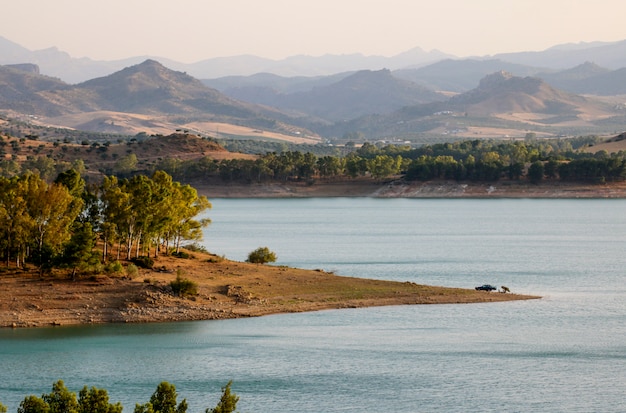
(225, 289)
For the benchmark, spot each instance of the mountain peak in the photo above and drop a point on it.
(148, 66)
(495, 79)
(148, 74)
(504, 81)
(586, 69)
(150, 63)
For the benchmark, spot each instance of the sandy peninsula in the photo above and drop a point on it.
(226, 289)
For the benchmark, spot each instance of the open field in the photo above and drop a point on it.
(215, 129)
(134, 123)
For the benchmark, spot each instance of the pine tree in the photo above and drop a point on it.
(228, 402)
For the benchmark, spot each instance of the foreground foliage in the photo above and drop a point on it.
(93, 400)
(228, 401)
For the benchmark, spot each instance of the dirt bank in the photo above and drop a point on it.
(400, 189)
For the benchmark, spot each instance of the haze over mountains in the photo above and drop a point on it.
(401, 97)
(56, 63)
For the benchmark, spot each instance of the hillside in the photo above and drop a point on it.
(501, 106)
(365, 92)
(569, 79)
(607, 84)
(21, 90)
(331, 98)
(104, 158)
(147, 97)
(152, 88)
(612, 145)
(502, 92)
(244, 87)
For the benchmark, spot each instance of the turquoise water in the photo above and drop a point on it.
(563, 353)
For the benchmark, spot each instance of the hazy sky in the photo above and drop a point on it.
(193, 30)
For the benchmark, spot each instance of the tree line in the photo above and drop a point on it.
(470, 160)
(58, 224)
(94, 400)
(475, 160)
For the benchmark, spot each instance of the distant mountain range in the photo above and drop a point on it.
(607, 54)
(56, 63)
(447, 75)
(374, 104)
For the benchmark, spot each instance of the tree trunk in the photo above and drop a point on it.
(105, 250)
(138, 245)
(129, 246)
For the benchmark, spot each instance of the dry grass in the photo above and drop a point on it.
(134, 123)
(215, 129)
(610, 147)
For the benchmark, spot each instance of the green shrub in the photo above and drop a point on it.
(195, 247)
(183, 287)
(182, 254)
(132, 271)
(143, 262)
(261, 255)
(214, 259)
(114, 267)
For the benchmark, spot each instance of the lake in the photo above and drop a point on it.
(565, 352)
